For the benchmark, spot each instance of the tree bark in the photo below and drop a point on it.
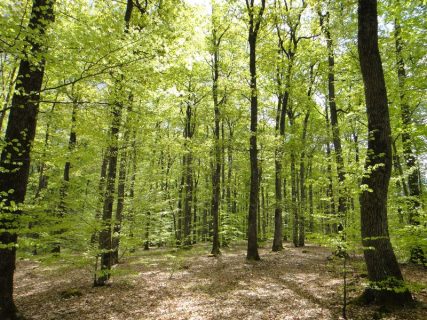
(383, 269)
(15, 156)
(254, 24)
(105, 236)
(216, 184)
(121, 184)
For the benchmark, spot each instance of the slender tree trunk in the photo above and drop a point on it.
(303, 195)
(105, 236)
(383, 269)
(121, 186)
(196, 226)
(295, 225)
(131, 213)
(188, 198)
(254, 24)
(336, 139)
(310, 195)
(180, 202)
(216, 187)
(101, 194)
(331, 225)
(19, 136)
(63, 191)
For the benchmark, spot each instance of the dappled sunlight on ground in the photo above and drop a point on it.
(297, 283)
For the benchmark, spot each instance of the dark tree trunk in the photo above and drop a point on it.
(303, 194)
(254, 24)
(147, 231)
(310, 196)
(178, 222)
(196, 226)
(105, 235)
(188, 173)
(264, 215)
(295, 225)
(131, 214)
(19, 136)
(105, 240)
(121, 186)
(383, 268)
(330, 207)
(216, 187)
(286, 215)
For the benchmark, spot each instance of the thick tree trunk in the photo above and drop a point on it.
(15, 156)
(383, 268)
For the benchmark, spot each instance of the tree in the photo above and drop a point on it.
(15, 156)
(255, 16)
(383, 269)
(216, 188)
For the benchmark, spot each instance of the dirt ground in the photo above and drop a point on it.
(165, 284)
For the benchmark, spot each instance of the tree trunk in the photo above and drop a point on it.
(19, 136)
(336, 139)
(216, 187)
(63, 191)
(295, 225)
(330, 207)
(383, 268)
(101, 194)
(188, 185)
(121, 187)
(105, 240)
(310, 196)
(303, 195)
(254, 24)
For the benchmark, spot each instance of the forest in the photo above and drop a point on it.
(213, 159)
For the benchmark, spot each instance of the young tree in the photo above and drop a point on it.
(15, 156)
(383, 269)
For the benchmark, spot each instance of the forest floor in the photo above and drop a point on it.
(167, 284)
